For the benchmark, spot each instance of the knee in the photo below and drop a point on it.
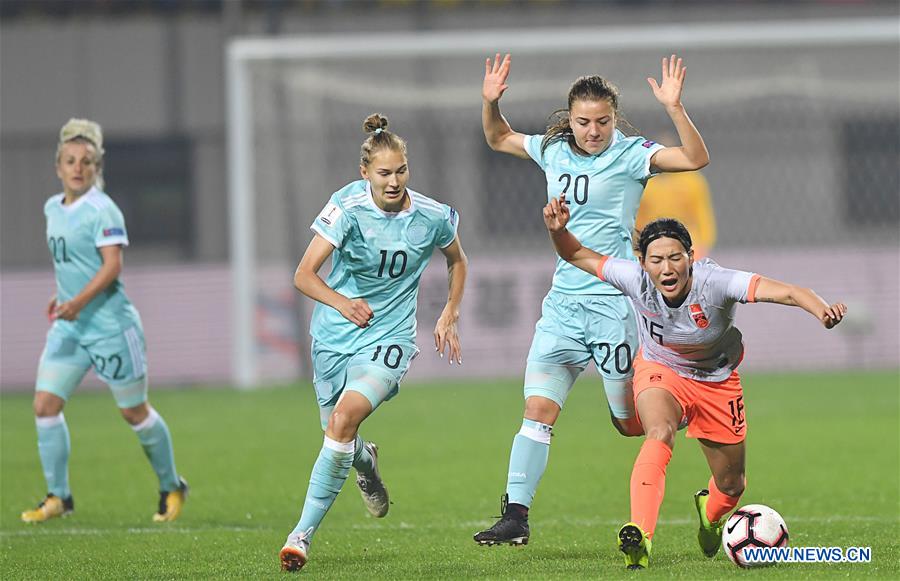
(342, 425)
(731, 484)
(47, 405)
(662, 432)
(541, 409)
(135, 415)
(628, 427)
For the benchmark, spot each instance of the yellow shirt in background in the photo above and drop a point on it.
(684, 196)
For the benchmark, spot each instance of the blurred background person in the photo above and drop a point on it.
(684, 196)
(94, 325)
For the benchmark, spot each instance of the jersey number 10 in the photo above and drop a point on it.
(398, 264)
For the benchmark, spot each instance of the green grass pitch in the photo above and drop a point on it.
(824, 450)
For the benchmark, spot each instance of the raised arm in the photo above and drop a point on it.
(556, 216)
(497, 132)
(692, 153)
(773, 291)
(308, 281)
(446, 334)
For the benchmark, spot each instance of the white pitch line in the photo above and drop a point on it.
(36, 530)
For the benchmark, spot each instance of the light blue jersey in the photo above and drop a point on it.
(75, 234)
(379, 256)
(604, 192)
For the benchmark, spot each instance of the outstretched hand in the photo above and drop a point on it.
(833, 315)
(556, 214)
(446, 336)
(495, 76)
(668, 93)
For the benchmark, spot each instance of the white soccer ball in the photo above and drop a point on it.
(754, 525)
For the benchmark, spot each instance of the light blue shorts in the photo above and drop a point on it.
(119, 361)
(375, 372)
(572, 331)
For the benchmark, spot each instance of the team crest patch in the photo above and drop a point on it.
(699, 316)
(417, 232)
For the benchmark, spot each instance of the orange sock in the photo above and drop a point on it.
(719, 503)
(648, 484)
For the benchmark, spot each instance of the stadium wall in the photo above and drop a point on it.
(185, 310)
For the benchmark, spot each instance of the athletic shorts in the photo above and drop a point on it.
(714, 409)
(572, 331)
(375, 372)
(119, 361)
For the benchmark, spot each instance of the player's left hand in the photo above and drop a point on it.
(68, 311)
(446, 336)
(833, 315)
(669, 92)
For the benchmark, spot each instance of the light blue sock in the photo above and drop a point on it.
(363, 461)
(154, 436)
(328, 476)
(54, 447)
(527, 461)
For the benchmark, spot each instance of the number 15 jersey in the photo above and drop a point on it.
(379, 256)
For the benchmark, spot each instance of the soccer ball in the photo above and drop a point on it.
(754, 525)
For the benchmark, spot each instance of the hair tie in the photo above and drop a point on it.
(379, 130)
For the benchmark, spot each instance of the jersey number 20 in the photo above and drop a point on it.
(579, 188)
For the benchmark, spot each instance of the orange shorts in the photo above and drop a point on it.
(714, 409)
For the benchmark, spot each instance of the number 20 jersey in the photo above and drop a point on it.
(379, 256)
(697, 339)
(603, 192)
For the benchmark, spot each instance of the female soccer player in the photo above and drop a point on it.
(380, 236)
(94, 324)
(687, 366)
(603, 172)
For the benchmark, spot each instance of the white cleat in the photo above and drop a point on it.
(294, 553)
(371, 487)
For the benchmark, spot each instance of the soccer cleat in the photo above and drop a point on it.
(636, 545)
(171, 503)
(51, 507)
(294, 553)
(710, 533)
(371, 487)
(511, 529)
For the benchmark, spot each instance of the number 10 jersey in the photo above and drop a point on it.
(378, 256)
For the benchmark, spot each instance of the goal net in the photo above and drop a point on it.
(800, 119)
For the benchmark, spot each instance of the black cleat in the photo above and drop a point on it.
(511, 529)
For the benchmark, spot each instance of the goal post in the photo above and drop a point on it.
(418, 83)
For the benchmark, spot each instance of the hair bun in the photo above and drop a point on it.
(374, 122)
(82, 128)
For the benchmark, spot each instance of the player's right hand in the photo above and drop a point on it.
(556, 214)
(495, 76)
(51, 309)
(833, 315)
(357, 311)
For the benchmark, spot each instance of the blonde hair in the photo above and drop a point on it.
(84, 131)
(379, 138)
